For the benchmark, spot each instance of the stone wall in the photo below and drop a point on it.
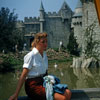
(78, 30)
(87, 26)
(90, 17)
(31, 28)
(58, 30)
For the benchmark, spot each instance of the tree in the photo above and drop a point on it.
(72, 45)
(9, 34)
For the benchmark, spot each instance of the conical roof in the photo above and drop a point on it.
(78, 9)
(65, 6)
(79, 4)
(41, 6)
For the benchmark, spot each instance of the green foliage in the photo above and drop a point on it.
(5, 65)
(10, 62)
(69, 59)
(72, 45)
(9, 34)
(91, 44)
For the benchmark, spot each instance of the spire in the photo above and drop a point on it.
(79, 4)
(78, 9)
(41, 6)
(65, 6)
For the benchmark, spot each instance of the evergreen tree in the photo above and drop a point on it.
(72, 45)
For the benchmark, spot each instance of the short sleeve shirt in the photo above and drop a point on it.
(36, 64)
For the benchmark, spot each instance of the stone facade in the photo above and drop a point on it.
(87, 19)
(91, 18)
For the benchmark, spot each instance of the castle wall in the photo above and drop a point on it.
(32, 25)
(78, 34)
(78, 30)
(58, 30)
(90, 17)
(32, 28)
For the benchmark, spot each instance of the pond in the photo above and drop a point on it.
(74, 78)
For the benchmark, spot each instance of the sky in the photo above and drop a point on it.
(30, 8)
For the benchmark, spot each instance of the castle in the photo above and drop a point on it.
(59, 25)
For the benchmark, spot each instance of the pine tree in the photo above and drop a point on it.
(72, 45)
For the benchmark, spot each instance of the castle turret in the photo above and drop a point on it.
(42, 14)
(77, 23)
(65, 11)
(77, 17)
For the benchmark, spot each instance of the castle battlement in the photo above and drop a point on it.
(52, 14)
(31, 19)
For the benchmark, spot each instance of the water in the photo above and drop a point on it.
(74, 78)
(77, 78)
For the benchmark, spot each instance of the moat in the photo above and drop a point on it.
(74, 78)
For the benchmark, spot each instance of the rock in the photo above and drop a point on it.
(55, 55)
(85, 62)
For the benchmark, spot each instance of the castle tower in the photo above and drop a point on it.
(90, 20)
(77, 23)
(77, 17)
(42, 19)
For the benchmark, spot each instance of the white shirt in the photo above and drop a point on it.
(36, 64)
